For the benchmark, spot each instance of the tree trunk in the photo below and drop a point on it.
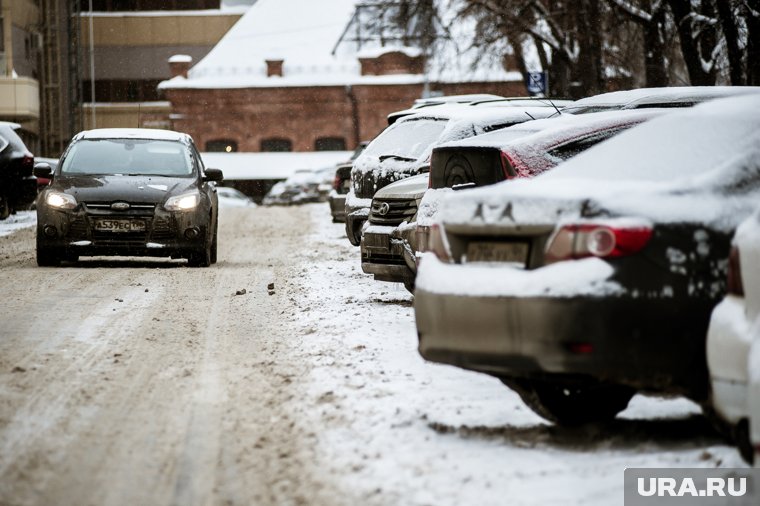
(590, 70)
(654, 50)
(753, 42)
(731, 34)
(691, 49)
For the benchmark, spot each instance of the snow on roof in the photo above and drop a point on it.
(305, 34)
(131, 133)
(242, 166)
(664, 95)
(670, 169)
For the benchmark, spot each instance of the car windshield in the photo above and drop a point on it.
(407, 139)
(128, 157)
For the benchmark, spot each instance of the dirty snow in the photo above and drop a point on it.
(22, 219)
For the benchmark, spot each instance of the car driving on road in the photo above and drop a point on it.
(128, 192)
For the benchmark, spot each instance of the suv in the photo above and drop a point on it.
(18, 187)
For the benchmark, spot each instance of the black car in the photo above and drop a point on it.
(129, 192)
(18, 187)
(596, 280)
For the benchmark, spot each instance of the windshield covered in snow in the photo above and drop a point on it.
(407, 139)
(129, 157)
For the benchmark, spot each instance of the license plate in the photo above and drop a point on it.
(513, 252)
(120, 225)
(377, 241)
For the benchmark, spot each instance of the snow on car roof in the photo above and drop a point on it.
(667, 169)
(663, 95)
(132, 133)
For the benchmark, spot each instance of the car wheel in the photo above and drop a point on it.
(5, 208)
(409, 285)
(572, 404)
(741, 437)
(214, 244)
(200, 257)
(47, 257)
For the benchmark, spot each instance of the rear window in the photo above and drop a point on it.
(128, 157)
(407, 139)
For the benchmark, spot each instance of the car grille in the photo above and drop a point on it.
(392, 212)
(159, 229)
(134, 207)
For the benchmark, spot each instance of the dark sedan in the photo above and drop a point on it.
(596, 280)
(128, 192)
(18, 187)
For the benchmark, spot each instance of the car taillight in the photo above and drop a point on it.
(336, 183)
(507, 166)
(438, 243)
(734, 284)
(604, 240)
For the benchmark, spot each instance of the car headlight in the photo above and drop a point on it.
(184, 202)
(60, 200)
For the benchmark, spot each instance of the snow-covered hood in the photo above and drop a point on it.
(413, 187)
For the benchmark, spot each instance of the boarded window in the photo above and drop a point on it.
(221, 146)
(330, 144)
(276, 145)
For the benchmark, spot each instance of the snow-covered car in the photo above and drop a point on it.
(128, 192)
(18, 187)
(341, 185)
(230, 197)
(403, 149)
(389, 247)
(734, 335)
(596, 279)
(303, 186)
(642, 98)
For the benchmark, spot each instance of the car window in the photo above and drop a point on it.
(128, 156)
(576, 147)
(407, 139)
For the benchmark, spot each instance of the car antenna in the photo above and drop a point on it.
(555, 107)
(531, 117)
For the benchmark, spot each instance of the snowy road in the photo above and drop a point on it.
(134, 382)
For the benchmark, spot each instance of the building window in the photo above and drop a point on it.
(121, 90)
(148, 5)
(221, 146)
(330, 144)
(276, 145)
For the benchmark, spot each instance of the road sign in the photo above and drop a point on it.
(537, 83)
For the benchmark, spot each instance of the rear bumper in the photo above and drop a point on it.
(655, 344)
(338, 207)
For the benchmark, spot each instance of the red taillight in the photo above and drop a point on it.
(336, 183)
(734, 284)
(28, 162)
(580, 348)
(438, 243)
(507, 167)
(605, 240)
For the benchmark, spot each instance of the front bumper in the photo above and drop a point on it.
(652, 344)
(355, 219)
(166, 233)
(383, 255)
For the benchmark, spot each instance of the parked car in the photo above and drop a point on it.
(672, 96)
(230, 197)
(389, 247)
(301, 187)
(595, 280)
(403, 150)
(136, 192)
(18, 187)
(341, 185)
(734, 330)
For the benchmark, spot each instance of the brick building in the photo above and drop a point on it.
(299, 75)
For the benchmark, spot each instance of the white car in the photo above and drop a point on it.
(230, 197)
(734, 335)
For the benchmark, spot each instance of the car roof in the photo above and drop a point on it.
(660, 96)
(132, 133)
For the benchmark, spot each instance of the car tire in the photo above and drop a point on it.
(5, 208)
(572, 404)
(409, 285)
(741, 437)
(47, 257)
(214, 244)
(201, 257)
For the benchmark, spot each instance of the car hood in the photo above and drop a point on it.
(413, 187)
(98, 188)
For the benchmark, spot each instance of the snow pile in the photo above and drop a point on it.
(22, 219)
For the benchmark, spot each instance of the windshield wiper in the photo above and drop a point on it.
(397, 157)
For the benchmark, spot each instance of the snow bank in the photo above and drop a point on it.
(22, 219)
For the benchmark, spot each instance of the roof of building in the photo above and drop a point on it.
(247, 166)
(310, 37)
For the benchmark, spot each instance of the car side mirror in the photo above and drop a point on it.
(215, 175)
(43, 169)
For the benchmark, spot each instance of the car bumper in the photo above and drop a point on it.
(166, 234)
(338, 208)
(652, 344)
(355, 219)
(384, 255)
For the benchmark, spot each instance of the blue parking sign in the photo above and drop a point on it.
(537, 83)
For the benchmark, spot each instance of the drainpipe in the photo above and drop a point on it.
(354, 113)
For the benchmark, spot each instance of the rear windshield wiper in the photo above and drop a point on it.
(397, 157)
